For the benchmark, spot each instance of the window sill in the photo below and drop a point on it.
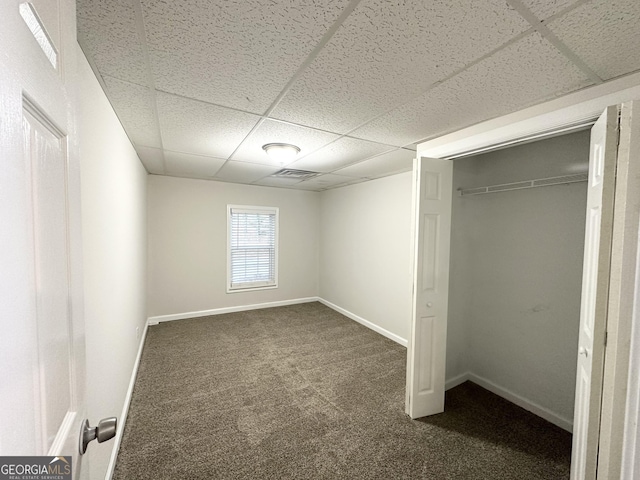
(250, 289)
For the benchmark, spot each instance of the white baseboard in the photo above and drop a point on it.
(125, 408)
(532, 407)
(366, 323)
(455, 381)
(220, 311)
(242, 308)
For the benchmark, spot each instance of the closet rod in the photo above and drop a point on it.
(541, 182)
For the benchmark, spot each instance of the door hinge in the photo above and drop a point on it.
(606, 335)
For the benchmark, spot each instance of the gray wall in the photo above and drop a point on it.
(365, 251)
(516, 272)
(187, 229)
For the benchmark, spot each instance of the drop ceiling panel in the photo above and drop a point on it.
(134, 106)
(117, 61)
(387, 52)
(270, 131)
(199, 128)
(110, 36)
(340, 154)
(195, 77)
(192, 165)
(113, 21)
(238, 53)
(603, 33)
(543, 9)
(400, 160)
(527, 72)
(243, 172)
(152, 159)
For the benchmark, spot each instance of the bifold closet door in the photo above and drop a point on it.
(595, 290)
(426, 351)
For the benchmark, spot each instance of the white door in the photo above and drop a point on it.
(42, 341)
(426, 352)
(595, 290)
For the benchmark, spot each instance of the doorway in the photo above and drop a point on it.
(517, 244)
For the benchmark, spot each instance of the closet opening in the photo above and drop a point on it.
(516, 265)
(607, 294)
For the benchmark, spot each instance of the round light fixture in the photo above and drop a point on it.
(281, 152)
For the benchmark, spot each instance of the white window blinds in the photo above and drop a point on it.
(253, 252)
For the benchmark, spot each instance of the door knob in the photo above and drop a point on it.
(429, 304)
(583, 351)
(105, 430)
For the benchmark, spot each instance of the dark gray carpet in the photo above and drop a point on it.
(303, 392)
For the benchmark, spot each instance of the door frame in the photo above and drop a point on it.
(574, 112)
(618, 414)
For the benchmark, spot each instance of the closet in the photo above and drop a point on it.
(517, 242)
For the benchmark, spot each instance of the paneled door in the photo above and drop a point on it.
(426, 351)
(595, 294)
(42, 341)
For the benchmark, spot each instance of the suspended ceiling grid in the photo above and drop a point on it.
(201, 85)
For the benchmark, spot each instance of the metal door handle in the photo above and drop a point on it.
(583, 351)
(105, 430)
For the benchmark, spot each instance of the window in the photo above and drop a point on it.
(252, 248)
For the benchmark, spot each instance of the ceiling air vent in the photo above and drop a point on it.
(294, 174)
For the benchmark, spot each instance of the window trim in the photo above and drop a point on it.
(253, 209)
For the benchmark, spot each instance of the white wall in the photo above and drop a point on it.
(365, 251)
(187, 227)
(114, 244)
(516, 272)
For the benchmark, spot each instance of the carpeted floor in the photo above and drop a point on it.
(301, 392)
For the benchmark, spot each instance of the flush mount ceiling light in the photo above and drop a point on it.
(281, 152)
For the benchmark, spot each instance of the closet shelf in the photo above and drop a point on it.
(541, 182)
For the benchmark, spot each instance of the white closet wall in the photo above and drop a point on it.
(516, 272)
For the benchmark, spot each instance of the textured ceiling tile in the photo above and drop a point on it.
(110, 37)
(242, 172)
(605, 34)
(307, 139)
(117, 61)
(339, 154)
(152, 159)
(388, 52)
(254, 46)
(196, 127)
(527, 72)
(134, 106)
(400, 160)
(195, 77)
(545, 8)
(193, 165)
(114, 20)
